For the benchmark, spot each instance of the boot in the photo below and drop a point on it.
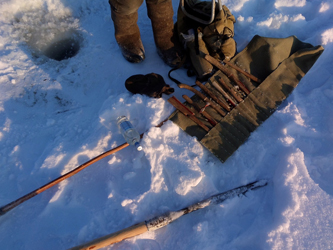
(127, 35)
(166, 41)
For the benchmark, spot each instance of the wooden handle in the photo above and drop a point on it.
(221, 90)
(252, 77)
(217, 64)
(231, 90)
(187, 112)
(203, 97)
(114, 237)
(214, 97)
(202, 111)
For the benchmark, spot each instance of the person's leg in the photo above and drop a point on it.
(160, 13)
(124, 14)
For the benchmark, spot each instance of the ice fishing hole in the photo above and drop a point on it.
(64, 46)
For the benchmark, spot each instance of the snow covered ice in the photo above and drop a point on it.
(56, 115)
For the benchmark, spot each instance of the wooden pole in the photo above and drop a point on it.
(165, 219)
(114, 237)
(28, 196)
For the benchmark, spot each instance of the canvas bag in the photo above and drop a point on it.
(215, 39)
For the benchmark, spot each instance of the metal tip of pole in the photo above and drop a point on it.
(259, 184)
(1, 211)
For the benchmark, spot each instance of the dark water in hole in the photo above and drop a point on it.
(62, 49)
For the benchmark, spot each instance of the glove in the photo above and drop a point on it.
(152, 85)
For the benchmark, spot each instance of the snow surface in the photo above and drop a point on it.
(55, 116)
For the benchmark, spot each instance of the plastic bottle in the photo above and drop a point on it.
(130, 134)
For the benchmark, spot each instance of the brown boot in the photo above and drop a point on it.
(166, 41)
(127, 35)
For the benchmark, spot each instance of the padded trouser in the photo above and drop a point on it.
(127, 7)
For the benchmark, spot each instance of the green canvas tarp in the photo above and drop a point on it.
(280, 63)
